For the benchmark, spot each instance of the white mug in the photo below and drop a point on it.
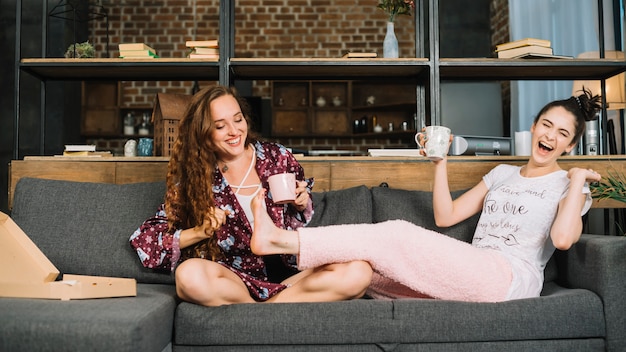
(436, 141)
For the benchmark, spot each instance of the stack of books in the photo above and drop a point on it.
(203, 49)
(137, 51)
(526, 48)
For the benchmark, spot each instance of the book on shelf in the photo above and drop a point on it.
(542, 56)
(138, 53)
(80, 147)
(206, 51)
(524, 50)
(136, 46)
(203, 56)
(524, 42)
(202, 43)
(359, 54)
(87, 154)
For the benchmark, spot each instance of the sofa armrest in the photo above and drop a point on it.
(598, 263)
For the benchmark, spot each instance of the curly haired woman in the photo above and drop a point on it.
(203, 230)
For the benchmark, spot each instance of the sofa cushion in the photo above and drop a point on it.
(83, 228)
(332, 323)
(346, 206)
(417, 208)
(562, 314)
(142, 323)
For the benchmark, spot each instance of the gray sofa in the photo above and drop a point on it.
(83, 228)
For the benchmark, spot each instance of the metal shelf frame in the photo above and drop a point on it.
(427, 70)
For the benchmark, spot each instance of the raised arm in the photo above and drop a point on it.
(449, 212)
(567, 226)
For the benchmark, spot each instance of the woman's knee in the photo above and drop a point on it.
(356, 277)
(193, 277)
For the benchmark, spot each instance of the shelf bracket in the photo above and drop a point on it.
(226, 40)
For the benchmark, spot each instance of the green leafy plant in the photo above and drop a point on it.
(396, 7)
(80, 50)
(613, 187)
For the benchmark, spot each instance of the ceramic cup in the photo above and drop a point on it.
(282, 187)
(436, 140)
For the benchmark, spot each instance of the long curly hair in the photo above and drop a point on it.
(189, 199)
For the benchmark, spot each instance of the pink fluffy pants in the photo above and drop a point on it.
(410, 261)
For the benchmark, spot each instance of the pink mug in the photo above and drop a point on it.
(282, 188)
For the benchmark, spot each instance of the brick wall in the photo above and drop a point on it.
(263, 28)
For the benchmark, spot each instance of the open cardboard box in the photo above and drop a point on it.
(25, 272)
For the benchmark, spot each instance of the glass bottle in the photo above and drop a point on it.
(144, 128)
(129, 124)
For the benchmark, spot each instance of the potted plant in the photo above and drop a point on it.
(80, 50)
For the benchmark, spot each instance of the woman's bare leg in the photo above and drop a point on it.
(267, 238)
(327, 283)
(330, 282)
(208, 283)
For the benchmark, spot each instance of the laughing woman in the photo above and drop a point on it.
(203, 230)
(526, 212)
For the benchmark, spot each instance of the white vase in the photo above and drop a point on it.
(390, 44)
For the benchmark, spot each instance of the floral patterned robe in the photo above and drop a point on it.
(158, 248)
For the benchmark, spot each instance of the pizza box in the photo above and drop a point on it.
(25, 272)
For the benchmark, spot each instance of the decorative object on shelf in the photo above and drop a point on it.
(144, 128)
(378, 128)
(370, 100)
(80, 11)
(396, 7)
(130, 148)
(364, 125)
(80, 50)
(393, 8)
(615, 99)
(144, 147)
(615, 93)
(390, 44)
(337, 101)
(321, 102)
(129, 124)
(166, 114)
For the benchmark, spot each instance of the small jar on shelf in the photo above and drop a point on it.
(129, 124)
(144, 127)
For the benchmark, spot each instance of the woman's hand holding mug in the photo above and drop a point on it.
(434, 142)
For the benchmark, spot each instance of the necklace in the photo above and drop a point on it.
(226, 168)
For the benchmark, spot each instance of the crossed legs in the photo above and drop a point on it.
(208, 283)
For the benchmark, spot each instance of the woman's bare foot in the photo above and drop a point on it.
(266, 237)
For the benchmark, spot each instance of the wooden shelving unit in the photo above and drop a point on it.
(426, 71)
